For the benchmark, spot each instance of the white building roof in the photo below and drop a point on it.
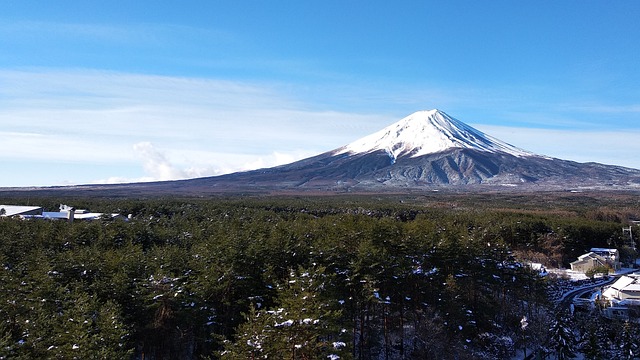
(604, 250)
(623, 282)
(584, 257)
(11, 210)
(65, 215)
(610, 293)
(632, 287)
(589, 255)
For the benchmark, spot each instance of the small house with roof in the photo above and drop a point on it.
(70, 213)
(65, 213)
(627, 287)
(624, 298)
(597, 257)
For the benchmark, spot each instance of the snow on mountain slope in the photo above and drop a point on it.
(428, 132)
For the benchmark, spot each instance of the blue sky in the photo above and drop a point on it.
(145, 90)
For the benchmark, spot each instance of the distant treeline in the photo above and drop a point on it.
(298, 278)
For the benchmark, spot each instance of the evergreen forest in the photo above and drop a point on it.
(437, 276)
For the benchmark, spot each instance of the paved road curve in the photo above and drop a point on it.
(567, 298)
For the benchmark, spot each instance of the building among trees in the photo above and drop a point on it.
(17, 210)
(627, 287)
(595, 258)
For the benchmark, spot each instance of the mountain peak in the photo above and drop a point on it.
(427, 132)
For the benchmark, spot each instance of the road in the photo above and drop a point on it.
(568, 297)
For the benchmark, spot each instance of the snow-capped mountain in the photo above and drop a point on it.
(424, 151)
(429, 132)
(428, 149)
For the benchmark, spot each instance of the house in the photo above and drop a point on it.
(18, 210)
(595, 258)
(69, 213)
(65, 213)
(624, 298)
(587, 262)
(616, 313)
(612, 256)
(627, 287)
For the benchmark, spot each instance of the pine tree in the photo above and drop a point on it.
(628, 343)
(592, 344)
(253, 336)
(591, 347)
(6, 342)
(561, 337)
(111, 336)
(302, 325)
(87, 329)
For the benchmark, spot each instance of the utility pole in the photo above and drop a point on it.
(627, 235)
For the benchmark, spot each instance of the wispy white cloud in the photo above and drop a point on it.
(203, 127)
(155, 163)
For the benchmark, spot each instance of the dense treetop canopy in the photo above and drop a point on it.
(309, 277)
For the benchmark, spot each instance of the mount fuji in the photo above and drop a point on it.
(428, 132)
(425, 150)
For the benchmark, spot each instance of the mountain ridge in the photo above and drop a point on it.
(427, 150)
(432, 149)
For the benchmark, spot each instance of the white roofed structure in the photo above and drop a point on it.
(597, 257)
(627, 287)
(16, 210)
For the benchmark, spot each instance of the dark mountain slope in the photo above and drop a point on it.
(453, 167)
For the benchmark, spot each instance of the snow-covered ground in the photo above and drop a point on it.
(568, 274)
